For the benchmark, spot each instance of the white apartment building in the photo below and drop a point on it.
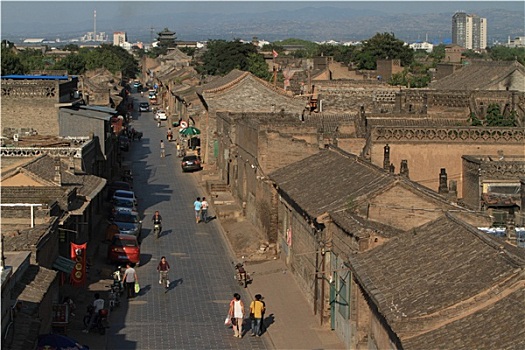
(469, 31)
(119, 38)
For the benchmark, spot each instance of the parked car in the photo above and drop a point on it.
(123, 194)
(144, 107)
(191, 163)
(121, 204)
(123, 142)
(161, 115)
(123, 249)
(128, 223)
(117, 185)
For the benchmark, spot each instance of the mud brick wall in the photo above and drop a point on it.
(427, 150)
(32, 103)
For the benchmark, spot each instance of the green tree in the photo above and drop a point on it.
(494, 117)
(114, 58)
(35, 60)
(11, 63)
(502, 53)
(71, 47)
(221, 57)
(340, 53)
(74, 64)
(438, 53)
(383, 46)
(258, 67)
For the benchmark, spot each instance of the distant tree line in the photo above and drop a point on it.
(113, 58)
(221, 57)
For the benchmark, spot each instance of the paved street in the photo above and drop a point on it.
(191, 314)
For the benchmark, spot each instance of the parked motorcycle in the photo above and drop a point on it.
(114, 297)
(242, 277)
(117, 279)
(101, 320)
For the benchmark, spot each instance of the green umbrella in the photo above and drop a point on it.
(190, 131)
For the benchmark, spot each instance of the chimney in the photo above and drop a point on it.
(404, 168)
(386, 157)
(453, 191)
(392, 168)
(58, 172)
(443, 188)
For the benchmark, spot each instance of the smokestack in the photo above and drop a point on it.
(386, 157)
(404, 168)
(443, 187)
(95, 25)
(58, 172)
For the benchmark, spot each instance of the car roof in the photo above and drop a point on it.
(190, 157)
(125, 237)
(117, 192)
(127, 212)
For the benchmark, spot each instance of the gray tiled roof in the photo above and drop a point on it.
(44, 168)
(415, 276)
(361, 227)
(224, 81)
(498, 326)
(477, 76)
(329, 180)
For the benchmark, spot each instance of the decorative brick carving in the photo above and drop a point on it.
(456, 134)
(28, 88)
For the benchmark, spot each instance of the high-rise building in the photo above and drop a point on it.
(469, 31)
(119, 38)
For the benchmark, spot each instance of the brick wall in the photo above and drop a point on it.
(404, 209)
(350, 96)
(427, 156)
(38, 113)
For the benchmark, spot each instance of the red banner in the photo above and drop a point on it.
(78, 254)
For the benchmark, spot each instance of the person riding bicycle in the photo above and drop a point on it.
(163, 269)
(157, 219)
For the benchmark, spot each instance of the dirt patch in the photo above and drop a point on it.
(246, 240)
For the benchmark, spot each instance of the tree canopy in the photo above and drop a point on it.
(114, 58)
(221, 57)
(383, 46)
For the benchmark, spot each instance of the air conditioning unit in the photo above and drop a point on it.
(15, 137)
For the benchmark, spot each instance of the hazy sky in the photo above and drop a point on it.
(43, 15)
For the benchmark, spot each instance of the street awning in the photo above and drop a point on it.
(64, 264)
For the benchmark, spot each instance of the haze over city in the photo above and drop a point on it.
(348, 20)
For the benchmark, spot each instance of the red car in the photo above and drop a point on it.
(123, 249)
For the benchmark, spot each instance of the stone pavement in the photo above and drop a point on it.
(191, 314)
(290, 322)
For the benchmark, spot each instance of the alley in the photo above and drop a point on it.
(191, 313)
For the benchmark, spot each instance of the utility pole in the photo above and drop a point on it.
(151, 34)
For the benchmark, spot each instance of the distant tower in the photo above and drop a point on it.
(95, 25)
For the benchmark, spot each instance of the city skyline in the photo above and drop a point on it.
(266, 19)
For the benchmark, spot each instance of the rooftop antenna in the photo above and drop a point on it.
(151, 34)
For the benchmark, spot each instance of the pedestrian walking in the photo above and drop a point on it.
(130, 276)
(178, 149)
(197, 206)
(236, 313)
(263, 326)
(162, 149)
(256, 312)
(204, 210)
(163, 268)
